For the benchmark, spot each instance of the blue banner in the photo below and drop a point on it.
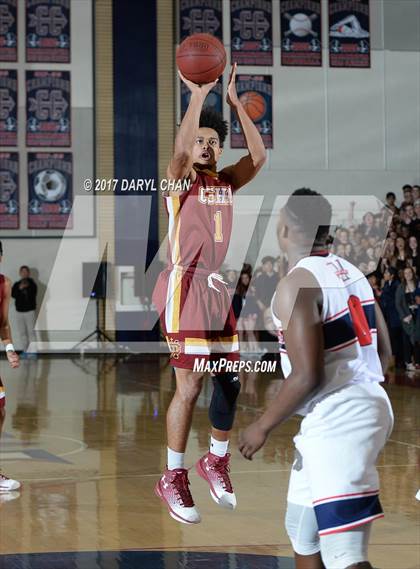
(48, 108)
(255, 92)
(48, 31)
(9, 190)
(8, 30)
(50, 185)
(251, 25)
(8, 107)
(349, 33)
(200, 16)
(301, 33)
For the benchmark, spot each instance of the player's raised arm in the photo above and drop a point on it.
(5, 332)
(247, 168)
(301, 311)
(181, 163)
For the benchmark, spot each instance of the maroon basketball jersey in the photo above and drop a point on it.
(200, 222)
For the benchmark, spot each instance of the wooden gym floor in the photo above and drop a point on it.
(86, 438)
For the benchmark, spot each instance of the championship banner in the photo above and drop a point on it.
(48, 31)
(301, 33)
(200, 17)
(214, 99)
(50, 186)
(9, 190)
(349, 33)
(8, 107)
(48, 108)
(256, 95)
(251, 28)
(8, 30)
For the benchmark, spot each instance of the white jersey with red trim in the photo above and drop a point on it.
(349, 326)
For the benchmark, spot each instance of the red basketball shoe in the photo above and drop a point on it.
(173, 489)
(215, 471)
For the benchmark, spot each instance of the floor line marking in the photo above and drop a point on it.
(125, 476)
(403, 443)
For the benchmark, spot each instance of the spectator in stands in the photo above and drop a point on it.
(391, 202)
(367, 227)
(372, 267)
(375, 283)
(417, 329)
(407, 309)
(414, 254)
(349, 252)
(232, 280)
(343, 236)
(408, 219)
(246, 310)
(379, 225)
(391, 314)
(341, 250)
(280, 266)
(407, 190)
(388, 255)
(266, 283)
(247, 268)
(417, 218)
(402, 254)
(377, 253)
(24, 292)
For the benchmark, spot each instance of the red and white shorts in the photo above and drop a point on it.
(196, 316)
(337, 448)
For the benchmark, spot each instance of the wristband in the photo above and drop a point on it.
(10, 348)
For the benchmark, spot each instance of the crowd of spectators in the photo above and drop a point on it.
(383, 245)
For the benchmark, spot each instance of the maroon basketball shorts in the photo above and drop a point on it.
(196, 316)
(2, 395)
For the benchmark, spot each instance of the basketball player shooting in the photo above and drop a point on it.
(196, 316)
(326, 305)
(6, 484)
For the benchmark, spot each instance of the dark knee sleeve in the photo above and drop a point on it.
(223, 402)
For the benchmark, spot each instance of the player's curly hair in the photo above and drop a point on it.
(210, 118)
(307, 213)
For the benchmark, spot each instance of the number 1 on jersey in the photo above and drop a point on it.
(218, 233)
(360, 323)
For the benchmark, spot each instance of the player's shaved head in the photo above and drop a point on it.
(308, 215)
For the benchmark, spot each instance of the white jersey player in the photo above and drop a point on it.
(334, 349)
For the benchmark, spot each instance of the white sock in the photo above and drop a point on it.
(219, 448)
(175, 459)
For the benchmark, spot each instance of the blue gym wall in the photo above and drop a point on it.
(135, 139)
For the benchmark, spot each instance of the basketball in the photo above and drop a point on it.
(201, 58)
(254, 105)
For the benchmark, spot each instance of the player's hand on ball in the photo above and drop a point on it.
(251, 440)
(13, 359)
(203, 90)
(232, 95)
